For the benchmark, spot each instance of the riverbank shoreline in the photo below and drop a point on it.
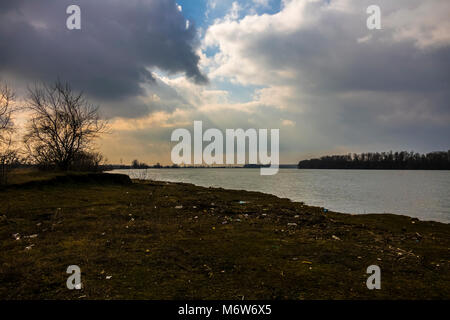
(418, 194)
(163, 240)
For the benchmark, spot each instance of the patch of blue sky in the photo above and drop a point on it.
(194, 10)
(211, 51)
(237, 93)
(205, 12)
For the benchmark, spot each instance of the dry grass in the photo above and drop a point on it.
(178, 241)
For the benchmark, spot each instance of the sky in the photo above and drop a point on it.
(310, 68)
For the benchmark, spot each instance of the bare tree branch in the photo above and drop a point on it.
(8, 154)
(63, 125)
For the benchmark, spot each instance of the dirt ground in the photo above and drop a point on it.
(156, 240)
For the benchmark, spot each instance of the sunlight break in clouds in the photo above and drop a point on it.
(313, 69)
(316, 64)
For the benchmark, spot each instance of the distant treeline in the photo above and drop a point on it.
(403, 160)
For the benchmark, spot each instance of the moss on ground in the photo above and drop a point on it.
(159, 240)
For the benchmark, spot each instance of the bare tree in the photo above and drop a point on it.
(63, 125)
(8, 154)
(6, 109)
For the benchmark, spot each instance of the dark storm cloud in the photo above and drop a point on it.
(108, 58)
(328, 57)
(349, 87)
(369, 80)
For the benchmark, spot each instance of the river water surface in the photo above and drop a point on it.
(421, 194)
